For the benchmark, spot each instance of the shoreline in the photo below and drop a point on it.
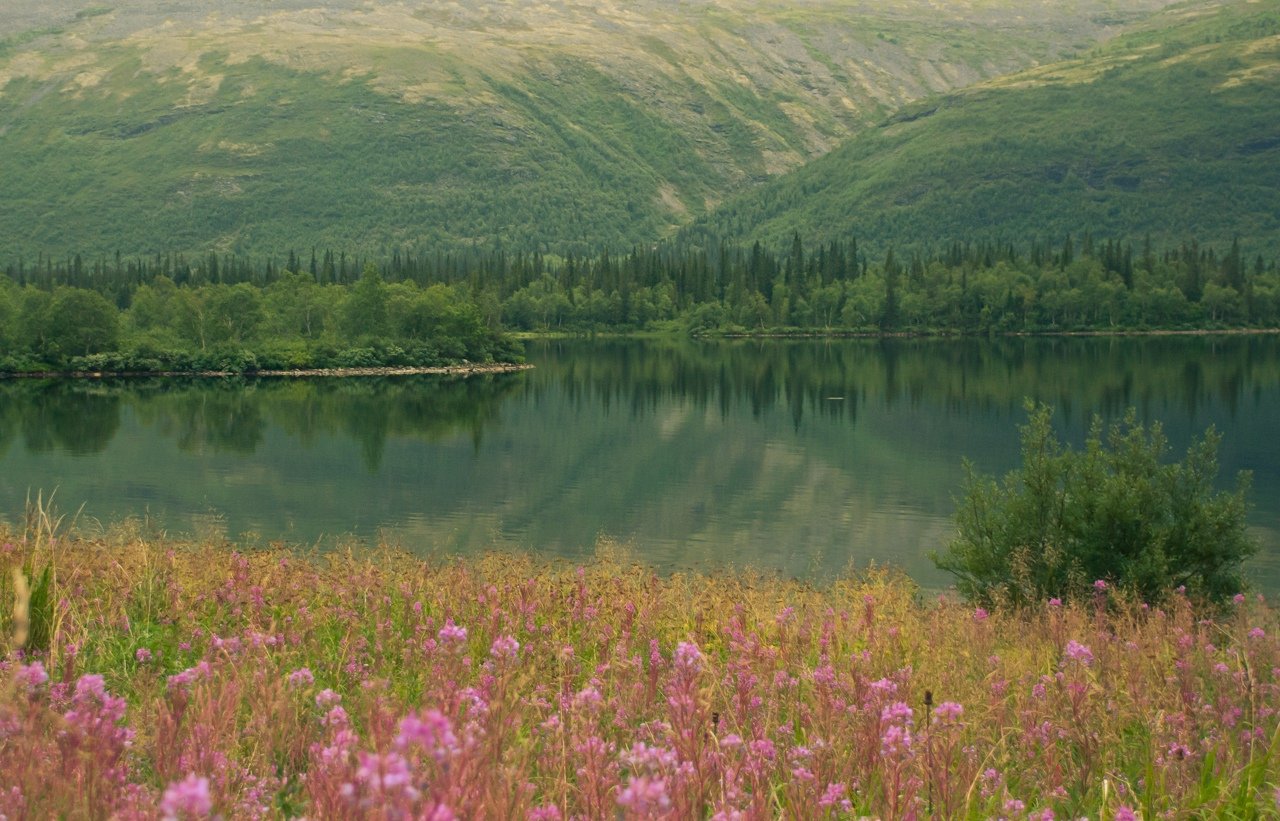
(442, 370)
(1000, 335)
(818, 333)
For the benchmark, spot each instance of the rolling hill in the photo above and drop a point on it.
(1171, 130)
(254, 127)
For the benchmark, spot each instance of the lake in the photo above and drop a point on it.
(802, 457)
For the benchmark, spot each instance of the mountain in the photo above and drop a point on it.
(256, 126)
(1171, 130)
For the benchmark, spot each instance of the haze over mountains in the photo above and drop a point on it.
(256, 127)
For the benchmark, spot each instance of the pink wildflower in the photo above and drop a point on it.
(836, 795)
(91, 686)
(433, 732)
(644, 795)
(452, 633)
(32, 675)
(1257, 633)
(897, 712)
(1078, 652)
(188, 798)
(948, 711)
(302, 677)
(980, 614)
(327, 698)
(1125, 814)
(1238, 598)
(385, 778)
(1100, 586)
(142, 655)
(688, 657)
(896, 740)
(504, 647)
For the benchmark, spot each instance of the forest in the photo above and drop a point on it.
(290, 323)
(331, 309)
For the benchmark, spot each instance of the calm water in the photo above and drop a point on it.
(798, 456)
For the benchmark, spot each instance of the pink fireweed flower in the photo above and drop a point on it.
(91, 686)
(688, 658)
(1078, 652)
(836, 795)
(645, 796)
(1238, 598)
(142, 655)
(188, 798)
(1257, 633)
(32, 675)
(1055, 602)
(980, 614)
(327, 698)
(546, 812)
(189, 676)
(655, 759)
(1100, 585)
(432, 731)
(763, 749)
(302, 677)
(504, 647)
(897, 712)
(948, 711)
(883, 687)
(895, 741)
(384, 778)
(1124, 813)
(336, 718)
(452, 633)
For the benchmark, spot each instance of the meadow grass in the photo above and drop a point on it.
(193, 679)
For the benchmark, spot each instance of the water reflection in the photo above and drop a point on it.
(1080, 376)
(801, 456)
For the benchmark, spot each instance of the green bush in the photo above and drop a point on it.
(1115, 511)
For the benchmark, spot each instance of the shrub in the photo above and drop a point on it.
(1115, 511)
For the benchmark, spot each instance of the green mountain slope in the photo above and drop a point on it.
(1172, 129)
(252, 126)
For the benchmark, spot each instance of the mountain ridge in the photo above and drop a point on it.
(1168, 131)
(247, 127)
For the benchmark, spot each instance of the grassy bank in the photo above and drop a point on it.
(190, 678)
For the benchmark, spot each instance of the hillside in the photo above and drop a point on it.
(1171, 130)
(254, 127)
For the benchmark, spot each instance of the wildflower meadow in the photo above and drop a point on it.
(163, 679)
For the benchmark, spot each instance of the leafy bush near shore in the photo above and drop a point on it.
(187, 680)
(1069, 521)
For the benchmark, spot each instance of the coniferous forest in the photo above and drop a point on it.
(331, 309)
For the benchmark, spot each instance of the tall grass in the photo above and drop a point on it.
(194, 679)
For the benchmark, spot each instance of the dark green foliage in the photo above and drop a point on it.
(1115, 511)
(293, 323)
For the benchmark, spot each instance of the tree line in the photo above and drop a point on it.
(1078, 283)
(292, 322)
